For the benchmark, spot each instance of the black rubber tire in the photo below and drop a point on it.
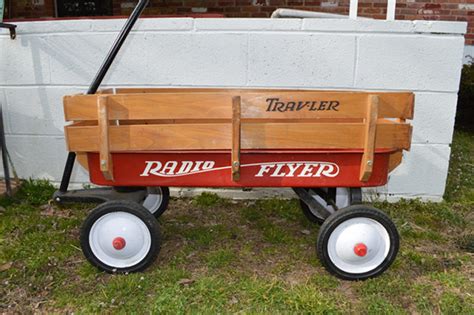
(165, 191)
(348, 213)
(134, 209)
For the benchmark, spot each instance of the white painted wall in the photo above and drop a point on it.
(51, 59)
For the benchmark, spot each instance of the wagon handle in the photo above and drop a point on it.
(104, 68)
(140, 7)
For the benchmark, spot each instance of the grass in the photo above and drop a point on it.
(221, 256)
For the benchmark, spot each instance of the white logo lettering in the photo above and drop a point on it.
(298, 169)
(271, 169)
(175, 168)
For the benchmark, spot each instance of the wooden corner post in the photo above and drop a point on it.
(106, 165)
(367, 163)
(236, 130)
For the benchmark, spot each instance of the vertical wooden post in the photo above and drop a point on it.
(369, 138)
(236, 124)
(106, 165)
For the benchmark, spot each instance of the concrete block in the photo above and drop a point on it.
(301, 60)
(3, 103)
(196, 59)
(41, 157)
(24, 61)
(383, 26)
(147, 24)
(423, 172)
(132, 65)
(468, 54)
(49, 27)
(420, 63)
(237, 194)
(357, 26)
(152, 58)
(244, 24)
(36, 110)
(440, 27)
(434, 118)
(75, 58)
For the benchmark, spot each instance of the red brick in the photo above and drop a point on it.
(432, 6)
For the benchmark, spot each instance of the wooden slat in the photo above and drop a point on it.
(236, 138)
(253, 136)
(105, 91)
(151, 106)
(367, 162)
(106, 165)
(395, 160)
(82, 160)
(337, 105)
(216, 105)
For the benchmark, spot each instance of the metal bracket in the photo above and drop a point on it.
(99, 195)
(11, 27)
(311, 202)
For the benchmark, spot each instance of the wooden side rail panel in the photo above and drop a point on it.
(106, 165)
(370, 131)
(253, 136)
(263, 105)
(236, 138)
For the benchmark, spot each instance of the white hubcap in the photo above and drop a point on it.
(358, 245)
(120, 239)
(154, 199)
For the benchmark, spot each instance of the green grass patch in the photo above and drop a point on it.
(220, 258)
(208, 200)
(460, 183)
(35, 192)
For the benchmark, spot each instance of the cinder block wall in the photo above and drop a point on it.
(51, 59)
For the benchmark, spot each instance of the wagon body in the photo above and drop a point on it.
(239, 138)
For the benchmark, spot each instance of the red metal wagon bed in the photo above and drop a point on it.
(325, 145)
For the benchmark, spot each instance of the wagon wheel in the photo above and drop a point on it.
(357, 242)
(344, 198)
(120, 237)
(157, 200)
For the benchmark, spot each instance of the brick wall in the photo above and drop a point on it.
(449, 10)
(26, 9)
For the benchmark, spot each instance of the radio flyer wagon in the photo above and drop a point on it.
(325, 145)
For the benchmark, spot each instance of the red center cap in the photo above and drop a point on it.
(119, 243)
(360, 249)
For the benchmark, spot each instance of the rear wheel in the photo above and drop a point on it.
(357, 242)
(157, 200)
(120, 237)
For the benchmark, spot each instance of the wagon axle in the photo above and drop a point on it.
(360, 249)
(119, 243)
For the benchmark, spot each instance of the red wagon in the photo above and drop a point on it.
(325, 145)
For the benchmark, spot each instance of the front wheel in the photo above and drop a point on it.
(357, 242)
(157, 200)
(120, 237)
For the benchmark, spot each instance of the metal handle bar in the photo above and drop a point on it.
(104, 68)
